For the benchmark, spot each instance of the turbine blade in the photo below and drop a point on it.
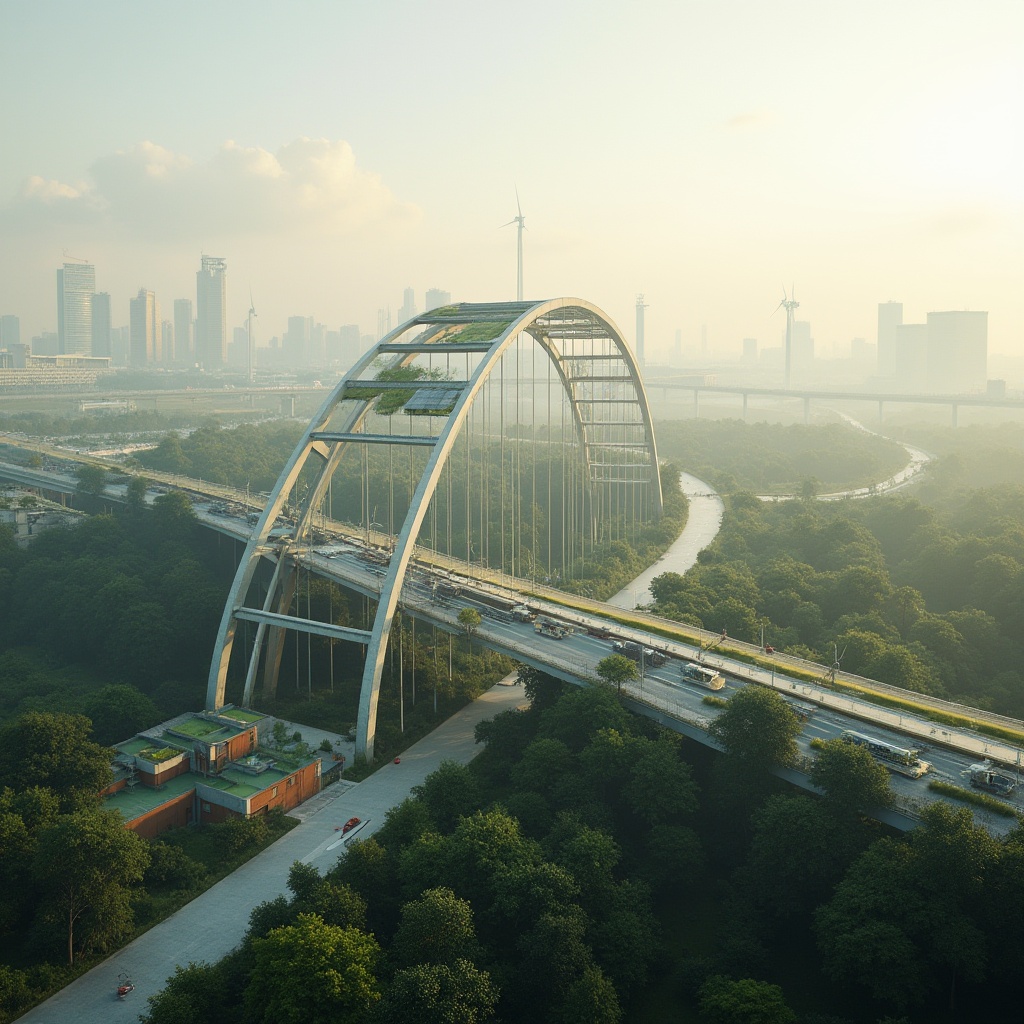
(518, 207)
(510, 223)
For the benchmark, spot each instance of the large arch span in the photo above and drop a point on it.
(410, 370)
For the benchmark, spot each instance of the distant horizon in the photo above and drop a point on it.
(707, 156)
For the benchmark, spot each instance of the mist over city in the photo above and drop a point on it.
(512, 513)
(704, 156)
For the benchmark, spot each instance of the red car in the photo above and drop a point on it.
(349, 825)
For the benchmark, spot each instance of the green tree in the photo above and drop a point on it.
(54, 750)
(541, 689)
(469, 620)
(728, 1001)
(617, 669)
(135, 493)
(91, 479)
(313, 973)
(439, 993)
(590, 999)
(87, 866)
(449, 792)
(195, 992)
(797, 854)
(757, 729)
(851, 778)
(435, 929)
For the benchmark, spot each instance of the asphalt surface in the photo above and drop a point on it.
(213, 924)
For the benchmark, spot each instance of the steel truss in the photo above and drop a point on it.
(568, 330)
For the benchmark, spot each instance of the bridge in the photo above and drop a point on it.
(501, 481)
(506, 471)
(807, 395)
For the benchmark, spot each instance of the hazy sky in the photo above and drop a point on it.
(703, 153)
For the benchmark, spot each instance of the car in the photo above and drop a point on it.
(349, 825)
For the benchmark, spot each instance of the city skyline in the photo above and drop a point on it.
(860, 153)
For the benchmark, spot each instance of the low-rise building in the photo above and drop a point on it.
(204, 768)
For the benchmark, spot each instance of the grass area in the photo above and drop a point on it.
(970, 796)
(712, 701)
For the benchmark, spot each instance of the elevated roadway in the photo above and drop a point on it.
(807, 395)
(350, 558)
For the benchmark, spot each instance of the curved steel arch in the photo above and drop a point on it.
(549, 322)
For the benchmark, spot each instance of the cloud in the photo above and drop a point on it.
(309, 187)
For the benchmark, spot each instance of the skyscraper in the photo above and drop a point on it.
(957, 351)
(101, 324)
(890, 316)
(211, 313)
(408, 308)
(296, 340)
(184, 326)
(144, 345)
(10, 330)
(75, 284)
(436, 297)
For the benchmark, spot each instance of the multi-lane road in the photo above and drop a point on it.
(349, 560)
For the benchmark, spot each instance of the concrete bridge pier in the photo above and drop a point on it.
(696, 404)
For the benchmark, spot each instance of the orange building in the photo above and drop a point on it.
(205, 768)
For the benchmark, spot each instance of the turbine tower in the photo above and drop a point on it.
(640, 307)
(521, 221)
(790, 304)
(250, 350)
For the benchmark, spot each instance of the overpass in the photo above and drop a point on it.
(466, 379)
(807, 395)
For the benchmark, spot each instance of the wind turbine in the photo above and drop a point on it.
(521, 221)
(251, 350)
(790, 304)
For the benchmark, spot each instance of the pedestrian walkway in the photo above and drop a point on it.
(213, 924)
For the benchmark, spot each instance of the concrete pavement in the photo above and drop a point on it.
(213, 924)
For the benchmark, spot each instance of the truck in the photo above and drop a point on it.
(903, 760)
(548, 627)
(987, 777)
(631, 649)
(692, 672)
(523, 613)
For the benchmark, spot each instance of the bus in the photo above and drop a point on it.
(903, 760)
(692, 672)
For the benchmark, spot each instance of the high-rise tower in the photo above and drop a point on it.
(101, 324)
(437, 297)
(211, 313)
(408, 310)
(890, 317)
(145, 336)
(640, 307)
(75, 284)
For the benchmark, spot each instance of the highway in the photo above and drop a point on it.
(575, 657)
(346, 558)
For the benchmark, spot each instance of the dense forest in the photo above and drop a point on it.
(607, 895)
(923, 596)
(770, 458)
(589, 868)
